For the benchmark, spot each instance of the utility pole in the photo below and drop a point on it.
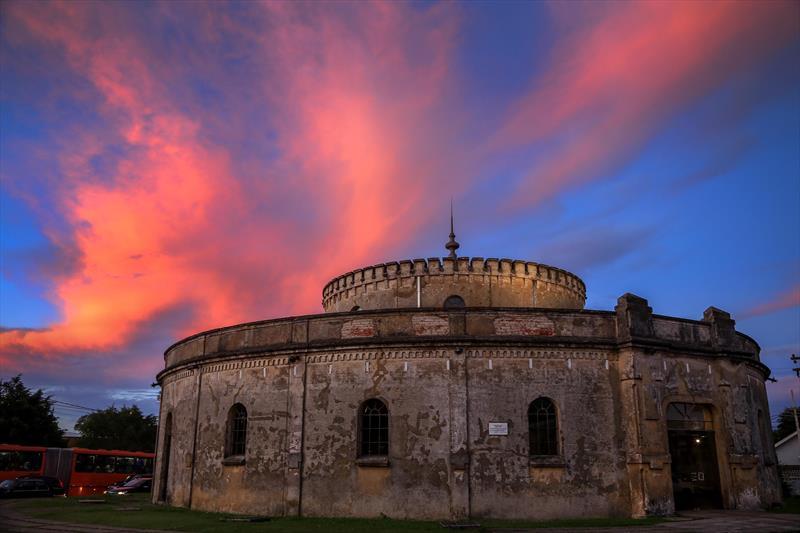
(796, 369)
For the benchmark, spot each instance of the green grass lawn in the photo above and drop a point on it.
(791, 504)
(119, 511)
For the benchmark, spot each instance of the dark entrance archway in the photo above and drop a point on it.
(164, 477)
(695, 470)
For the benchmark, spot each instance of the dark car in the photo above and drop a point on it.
(24, 488)
(139, 484)
(55, 484)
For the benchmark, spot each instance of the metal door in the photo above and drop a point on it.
(695, 470)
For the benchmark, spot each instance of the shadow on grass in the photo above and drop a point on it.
(135, 511)
(791, 504)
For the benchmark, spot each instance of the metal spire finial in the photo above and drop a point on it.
(452, 245)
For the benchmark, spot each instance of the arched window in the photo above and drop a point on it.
(374, 426)
(236, 431)
(355, 308)
(689, 416)
(454, 302)
(543, 427)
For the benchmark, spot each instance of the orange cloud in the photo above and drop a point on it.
(354, 134)
(177, 225)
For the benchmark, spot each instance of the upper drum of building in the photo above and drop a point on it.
(454, 282)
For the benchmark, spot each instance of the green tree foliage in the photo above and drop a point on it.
(27, 417)
(118, 429)
(785, 424)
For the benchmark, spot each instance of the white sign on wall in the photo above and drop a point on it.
(498, 428)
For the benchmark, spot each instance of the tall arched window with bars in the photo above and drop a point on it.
(374, 429)
(543, 427)
(236, 436)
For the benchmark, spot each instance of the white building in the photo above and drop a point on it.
(788, 452)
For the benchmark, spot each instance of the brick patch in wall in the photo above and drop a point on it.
(363, 327)
(431, 325)
(524, 325)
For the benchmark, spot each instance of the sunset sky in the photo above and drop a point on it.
(172, 167)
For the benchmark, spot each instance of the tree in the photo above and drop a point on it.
(27, 417)
(785, 424)
(118, 429)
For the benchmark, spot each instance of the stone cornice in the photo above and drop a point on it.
(469, 329)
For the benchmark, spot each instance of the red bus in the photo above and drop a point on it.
(16, 461)
(82, 471)
(92, 471)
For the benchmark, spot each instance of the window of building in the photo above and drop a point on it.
(543, 427)
(374, 425)
(237, 431)
(689, 416)
(454, 302)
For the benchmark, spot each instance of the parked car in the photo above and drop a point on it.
(130, 478)
(140, 484)
(24, 488)
(55, 484)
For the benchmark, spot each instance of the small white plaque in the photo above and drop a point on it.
(498, 428)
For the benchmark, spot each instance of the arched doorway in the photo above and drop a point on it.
(695, 470)
(164, 477)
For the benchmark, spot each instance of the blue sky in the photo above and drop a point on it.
(171, 167)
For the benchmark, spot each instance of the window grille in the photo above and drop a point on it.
(689, 416)
(543, 427)
(374, 428)
(237, 430)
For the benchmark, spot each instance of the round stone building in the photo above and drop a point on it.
(466, 387)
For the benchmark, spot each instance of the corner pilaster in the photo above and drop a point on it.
(295, 424)
(459, 437)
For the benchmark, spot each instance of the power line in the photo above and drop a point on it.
(75, 406)
(70, 412)
(68, 406)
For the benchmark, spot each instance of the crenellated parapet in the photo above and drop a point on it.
(479, 282)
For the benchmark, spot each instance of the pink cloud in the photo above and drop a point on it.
(784, 300)
(356, 139)
(177, 223)
(622, 71)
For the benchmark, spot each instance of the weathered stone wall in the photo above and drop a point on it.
(481, 283)
(653, 374)
(260, 483)
(444, 375)
(416, 481)
(653, 380)
(179, 406)
(585, 479)
(409, 326)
